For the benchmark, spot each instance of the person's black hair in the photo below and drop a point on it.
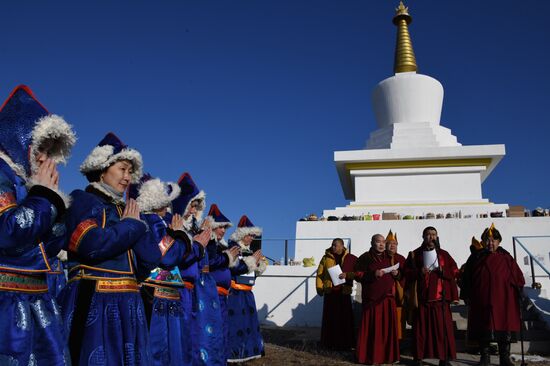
(428, 229)
(338, 239)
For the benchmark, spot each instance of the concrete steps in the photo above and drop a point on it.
(536, 334)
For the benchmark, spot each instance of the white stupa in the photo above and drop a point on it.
(413, 173)
(411, 164)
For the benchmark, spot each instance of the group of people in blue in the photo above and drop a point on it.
(144, 280)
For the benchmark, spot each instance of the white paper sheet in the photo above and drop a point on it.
(430, 259)
(389, 269)
(334, 272)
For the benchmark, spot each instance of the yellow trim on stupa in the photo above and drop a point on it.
(420, 204)
(405, 60)
(437, 163)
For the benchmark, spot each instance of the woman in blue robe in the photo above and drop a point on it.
(32, 143)
(108, 246)
(165, 293)
(220, 260)
(200, 285)
(245, 341)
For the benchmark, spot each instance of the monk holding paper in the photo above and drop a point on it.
(337, 325)
(377, 341)
(431, 274)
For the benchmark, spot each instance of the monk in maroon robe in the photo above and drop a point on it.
(391, 247)
(377, 341)
(491, 284)
(432, 323)
(337, 329)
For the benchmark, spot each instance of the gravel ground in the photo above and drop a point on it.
(298, 346)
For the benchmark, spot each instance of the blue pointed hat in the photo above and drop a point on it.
(217, 218)
(26, 127)
(244, 228)
(189, 193)
(110, 150)
(152, 193)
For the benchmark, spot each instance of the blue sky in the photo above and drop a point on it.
(253, 97)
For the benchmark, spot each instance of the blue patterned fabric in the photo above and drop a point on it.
(57, 280)
(115, 331)
(31, 328)
(208, 341)
(245, 341)
(170, 331)
(218, 262)
(170, 324)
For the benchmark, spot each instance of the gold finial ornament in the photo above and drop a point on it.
(404, 54)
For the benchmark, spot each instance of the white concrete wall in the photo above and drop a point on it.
(410, 186)
(285, 295)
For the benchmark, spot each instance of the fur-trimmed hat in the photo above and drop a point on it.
(152, 193)
(189, 193)
(107, 152)
(391, 236)
(26, 127)
(244, 228)
(216, 217)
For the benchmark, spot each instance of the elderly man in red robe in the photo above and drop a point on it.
(491, 284)
(431, 275)
(377, 341)
(391, 247)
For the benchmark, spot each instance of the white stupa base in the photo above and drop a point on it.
(411, 135)
(416, 175)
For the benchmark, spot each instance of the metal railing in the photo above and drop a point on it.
(532, 258)
(286, 241)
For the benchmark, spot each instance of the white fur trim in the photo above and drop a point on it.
(52, 127)
(18, 169)
(102, 157)
(153, 195)
(65, 197)
(233, 261)
(241, 232)
(250, 262)
(215, 225)
(116, 199)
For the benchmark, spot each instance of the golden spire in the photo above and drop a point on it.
(404, 54)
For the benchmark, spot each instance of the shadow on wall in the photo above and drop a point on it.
(263, 313)
(307, 315)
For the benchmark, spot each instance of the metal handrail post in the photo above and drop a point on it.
(286, 252)
(514, 246)
(532, 271)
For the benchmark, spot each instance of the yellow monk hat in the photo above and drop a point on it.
(391, 236)
(477, 245)
(491, 232)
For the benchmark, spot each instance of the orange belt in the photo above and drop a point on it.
(188, 285)
(23, 283)
(238, 286)
(222, 291)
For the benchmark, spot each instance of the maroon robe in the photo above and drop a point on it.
(377, 341)
(433, 332)
(494, 281)
(337, 328)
